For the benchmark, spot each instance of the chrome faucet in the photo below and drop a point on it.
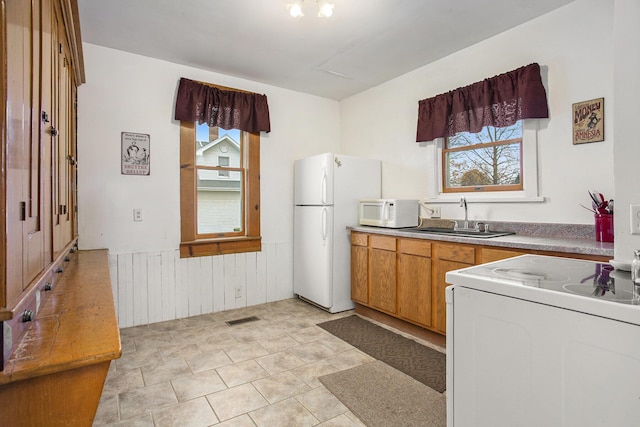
(463, 204)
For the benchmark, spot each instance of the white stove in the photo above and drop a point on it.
(537, 340)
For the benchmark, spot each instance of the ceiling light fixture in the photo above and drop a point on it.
(325, 8)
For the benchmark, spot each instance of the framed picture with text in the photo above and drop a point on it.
(136, 155)
(588, 121)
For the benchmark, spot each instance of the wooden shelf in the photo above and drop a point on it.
(56, 374)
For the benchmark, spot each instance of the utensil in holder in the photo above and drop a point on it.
(604, 227)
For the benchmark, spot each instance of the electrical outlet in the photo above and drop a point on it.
(137, 214)
(635, 219)
(429, 211)
(238, 292)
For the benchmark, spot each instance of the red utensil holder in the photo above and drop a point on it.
(604, 227)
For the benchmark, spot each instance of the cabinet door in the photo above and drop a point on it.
(359, 274)
(382, 276)
(23, 162)
(414, 288)
(439, 315)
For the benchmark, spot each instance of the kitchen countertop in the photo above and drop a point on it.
(587, 246)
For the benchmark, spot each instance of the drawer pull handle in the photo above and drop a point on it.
(27, 316)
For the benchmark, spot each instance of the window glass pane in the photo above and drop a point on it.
(211, 143)
(495, 165)
(480, 160)
(219, 204)
(486, 135)
(219, 192)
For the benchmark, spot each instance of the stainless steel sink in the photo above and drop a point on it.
(461, 233)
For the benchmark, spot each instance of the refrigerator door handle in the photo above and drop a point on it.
(323, 183)
(324, 227)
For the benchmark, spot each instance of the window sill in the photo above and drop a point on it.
(209, 247)
(476, 198)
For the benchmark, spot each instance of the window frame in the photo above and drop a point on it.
(484, 188)
(191, 244)
(530, 174)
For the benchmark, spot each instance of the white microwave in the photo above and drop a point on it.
(390, 213)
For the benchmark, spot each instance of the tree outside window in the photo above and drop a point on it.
(490, 160)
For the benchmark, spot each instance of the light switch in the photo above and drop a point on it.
(635, 219)
(137, 214)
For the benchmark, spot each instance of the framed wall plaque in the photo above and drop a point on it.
(588, 121)
(136, 154)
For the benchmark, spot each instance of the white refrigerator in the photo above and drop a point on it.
(327, 190)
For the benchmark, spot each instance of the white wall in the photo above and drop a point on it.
(577, 46)
(574, 47)
(627, 146)
(131, 93)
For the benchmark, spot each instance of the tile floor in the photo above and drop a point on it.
(201, 372)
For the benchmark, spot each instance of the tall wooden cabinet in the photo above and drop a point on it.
(40, 51)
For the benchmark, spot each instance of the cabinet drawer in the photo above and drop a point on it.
(490, 254)
(457, 253)
(414, 247)
(359, 239)
(382, 242)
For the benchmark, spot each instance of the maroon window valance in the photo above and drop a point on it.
(227, 109)
(499, 101)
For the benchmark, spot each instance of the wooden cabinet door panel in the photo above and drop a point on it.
(414, 288)
(359, 274)
(439, 316)
(382, 280)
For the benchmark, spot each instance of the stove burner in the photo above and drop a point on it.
(530, 275)
(620, 295)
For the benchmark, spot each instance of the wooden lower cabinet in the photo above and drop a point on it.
(440, 269)
(406, 278)
(447, 257)
(414, 289)
(382, 280)
(414, 281)
(359, 274)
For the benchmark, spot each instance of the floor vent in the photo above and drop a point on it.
(243, 320)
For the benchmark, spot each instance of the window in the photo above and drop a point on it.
(219, 190)
(223, 161)
(490, 160)
(529, 174)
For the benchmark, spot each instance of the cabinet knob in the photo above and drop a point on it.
(67, 259)
(27, 316)
(47, 286)
(59, 270)
(54, 131)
